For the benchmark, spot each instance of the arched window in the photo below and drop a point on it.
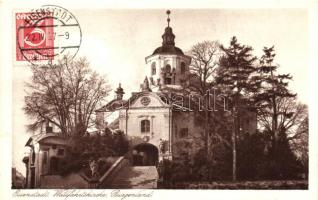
(168, 68)
(145, 126)
(183, 68)
(153, 68)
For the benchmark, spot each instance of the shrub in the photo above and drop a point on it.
(94, 147)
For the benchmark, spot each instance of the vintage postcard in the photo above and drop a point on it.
(159, 100)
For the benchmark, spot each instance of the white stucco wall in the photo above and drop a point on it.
(41, 168)
(161, 61)
(157, 112)
(159, 124)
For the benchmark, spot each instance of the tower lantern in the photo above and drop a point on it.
(119, 92)
(167, 65)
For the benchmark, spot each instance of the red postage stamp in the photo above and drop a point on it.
(35, 37)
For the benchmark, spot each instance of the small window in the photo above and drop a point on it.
(49, 129)
(145, 126)
(168, 68)
(183, 68)
(54, 164)
(153, 68)
(60, 152)
(183, 133)
(167, 80)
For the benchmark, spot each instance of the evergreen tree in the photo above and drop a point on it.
(234, 77)
(273, 87)
(236, 69)
(277, 112)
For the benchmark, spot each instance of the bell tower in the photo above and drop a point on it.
(168, 66)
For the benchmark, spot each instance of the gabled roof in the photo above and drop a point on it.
(113, 106)
(39, 137)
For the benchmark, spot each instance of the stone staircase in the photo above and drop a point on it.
(136, 177)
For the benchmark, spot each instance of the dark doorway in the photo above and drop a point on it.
(32, 169)
(145, 154)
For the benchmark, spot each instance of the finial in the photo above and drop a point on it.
(146, 87)
(119, 92)
(168, 19)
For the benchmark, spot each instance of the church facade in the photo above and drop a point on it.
(159, 117)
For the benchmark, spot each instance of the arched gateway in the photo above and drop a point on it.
(145, 154)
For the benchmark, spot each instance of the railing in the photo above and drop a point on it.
(109, 176)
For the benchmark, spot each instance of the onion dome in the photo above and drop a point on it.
(168, 44)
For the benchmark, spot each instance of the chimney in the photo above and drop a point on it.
(48, 128)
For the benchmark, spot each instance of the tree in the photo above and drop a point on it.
(273, 89)
(205, 59)
(299, 143)
(279, 114)
(65, 94)
(291, 116)
(234, 78)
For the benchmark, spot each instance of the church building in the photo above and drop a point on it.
(159, 117)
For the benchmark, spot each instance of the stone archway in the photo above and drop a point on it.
(145, 154)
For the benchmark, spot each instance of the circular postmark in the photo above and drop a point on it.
(47, 34)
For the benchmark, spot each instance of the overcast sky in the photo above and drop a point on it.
(116, 43)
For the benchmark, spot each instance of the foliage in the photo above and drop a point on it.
(280, 116)
(299, 143)
(234, 76)
(279, 150)
(197, 168)
(217, 168)
(95, 147)
(171, 171)
(257, 159)
(65, 94)
(274, 100)
(110, 144)
(120, 144)
(237, 185)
